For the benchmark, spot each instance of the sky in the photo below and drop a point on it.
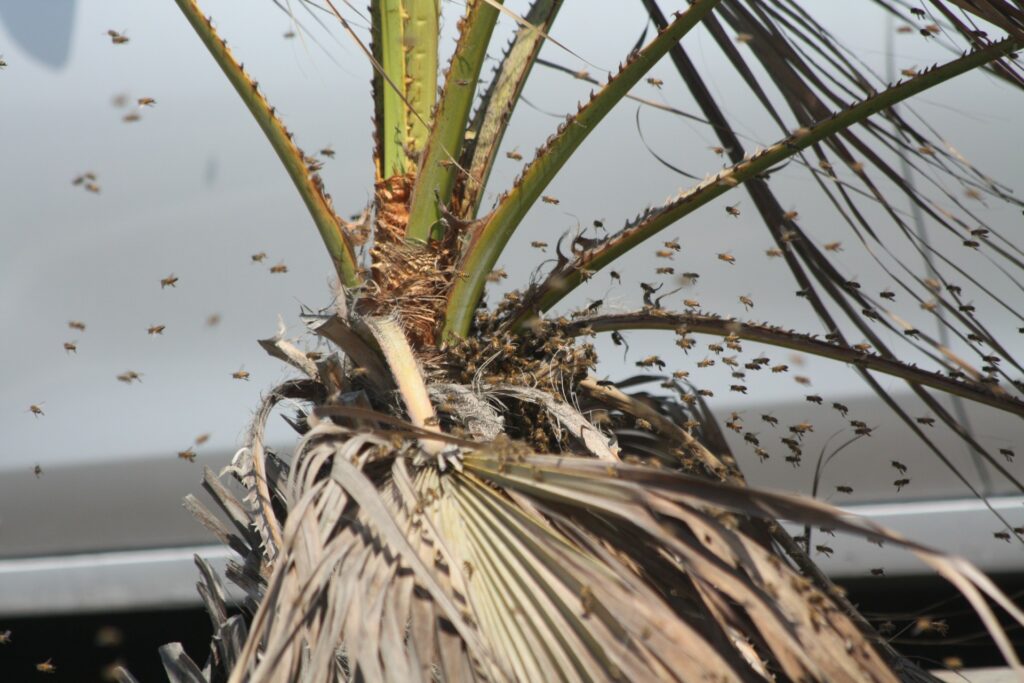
(192, 189)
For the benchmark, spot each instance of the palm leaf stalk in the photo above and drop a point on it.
(467, 501)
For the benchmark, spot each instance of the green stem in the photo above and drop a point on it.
(566, 279)
(487, 245)
(392, 126)
(307, 183)
(437, 171)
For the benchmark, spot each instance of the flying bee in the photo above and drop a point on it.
(664, 253)
(844, 489)
(929, 625)
(258, 257)
(813, 398)
(918, 12)
(241, 374)
(1006, 453)
(328, 152)
(680, 374)
(774, 252)
(213, 320)
(747, 302)
(900, 483)
(5, 637)
(514, 155)
(706, 393)
(289, 34)
(877, 571)
(202, 438)
(71, 347)
(156, 329)
(38, 471)
(824, 550)
(76, 325)
(497, 275)
(279, 268)
(1002, 535)
(656, 82)
(651, 361)
(780, 368)
(909, 73)
(733, 210)
(187, 454)
(673, 245)
(615, 276)
(802, 379)
(665, 270)
(548, 199)
(537, 244)
(926, 421)
(691, 303)
(761, 453)
(716, 348)
(801, 428)
(48, 667)
(888, 295)
(731, 361)
(739, 388)
(904, 29)
(146, 101)
(727, 257)
(36, 409)
(770, 419)
(900, 467)
(129, 376)
(706, 363)
(862, 347)
(118, 37)
(169, 281)
(81, 179)
(834, 246)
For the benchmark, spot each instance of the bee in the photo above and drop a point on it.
(801, 428)
(909, 73)
(926, 421)
(213, 320)
(169, 281)
(187, 454)
(856, 166)
(904, 29)
(38, 471)
(918, 12)
(3, 65)
(834, 246)
(328, 152)
(289, 34)
(877, 571)
(497, 275)
(651, 361)
(118, 37)
(656, 82)
(47, 667)
(680, 374)
(953, 662)
(727, 257)
(665, 270)
(156, 329)
(81, 179)
(71, 347)
(813, 398)
(888, 295)
(548, 199)
(1007, 453)
(537, 244)
(790, 216)
(279, 268)
(36, 409)
(258, 257)
(780, 368)
(615, 276)
(664, 253)
(146, 101)
(706, 393)
(5, 637)
(129, 376)
(900, 483)
(514, 155)
(241, 374)
(802, 379)
(76, 325)
(673, 245)
(202, 438)
(744, 37)
(761, 453)
(844, 489)
(747, 302)
(643, 424)
(691, 303)
(733, 210)
(770, 419)
(739, 388)
(774, 252)
(927, 624)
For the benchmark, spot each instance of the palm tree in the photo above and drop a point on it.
(467, 501)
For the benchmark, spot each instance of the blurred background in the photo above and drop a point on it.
(187, 188)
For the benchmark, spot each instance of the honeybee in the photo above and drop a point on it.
(497, 275)
(844, 489)
(289, 34)
(187, 454)
(744, 37)
(673, 245)
(780, 368)
(733, 210)
(900, 483)
(909, 72)
(213, 320)
(131, 117)
(514, 155)
(169, 281)
(664, 253)
(706, 363)
(328, 152)
(834, 246)
(615, 276)
(770, 419)
(739, 388)
(3, 65)
(118, 37)
(538, 244)
(48, 667)
(80, 179)
(129, 376)
(888, 295)
(813, 398)
(258, 257)
(241, 374)
(656, 82)
(691, 303)
(904, 29)
(761, 453)
(927, 624)
(71, 347)
(665, 270)
(900, 467)
(76, 325)
(680, 374)
(5, 637)
(843, 410)
(877, 571)
(926, 421)
(727, 257)
(862, 347)
(774, 252)
(802, 379)
(156, 329)
(1007, 453)
(548, 199)
(824, 550)
(651, 361)
(747, 302)
(38, 471)
(279, 268)
(36, 409)
(918, 12)
(202, 438)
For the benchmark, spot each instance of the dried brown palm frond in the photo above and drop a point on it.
(384, 549)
